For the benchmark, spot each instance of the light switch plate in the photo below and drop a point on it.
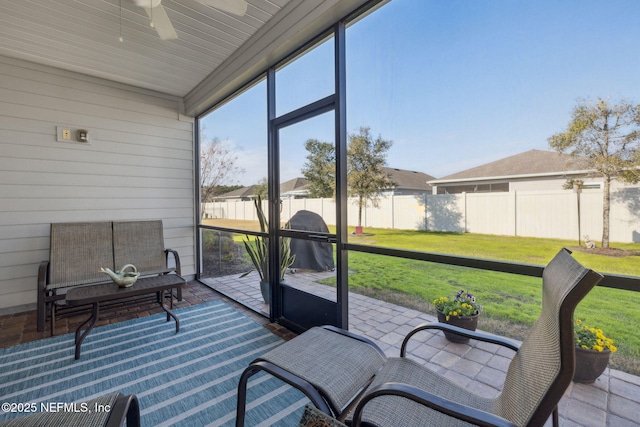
(69, 134)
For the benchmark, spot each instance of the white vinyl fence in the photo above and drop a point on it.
(551, 214)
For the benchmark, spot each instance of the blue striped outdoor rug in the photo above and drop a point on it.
(185, 379)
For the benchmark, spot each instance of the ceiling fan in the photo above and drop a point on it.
(160, 21)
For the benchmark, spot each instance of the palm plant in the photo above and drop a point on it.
(258, 248)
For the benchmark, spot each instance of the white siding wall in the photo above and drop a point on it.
(537, 184)
(545, 184)
(138, 165)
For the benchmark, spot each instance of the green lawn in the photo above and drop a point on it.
(526, 250)
(511, 302)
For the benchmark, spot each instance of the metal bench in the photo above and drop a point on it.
(78, 250)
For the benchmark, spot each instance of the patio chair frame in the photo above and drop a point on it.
(547, 405)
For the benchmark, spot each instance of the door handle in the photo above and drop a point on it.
(322, 238)
(318, 237)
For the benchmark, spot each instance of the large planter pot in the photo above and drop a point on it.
(590, 364)
(466, 322)
(265, 289)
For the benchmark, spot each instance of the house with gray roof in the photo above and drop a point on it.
(406, 183)
(409, 182)
(240, 194)
(295, 188)
(531, 170)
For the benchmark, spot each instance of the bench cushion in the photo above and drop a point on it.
(77, 252)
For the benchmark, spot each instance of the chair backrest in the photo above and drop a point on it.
(77, 251)
(140, 243)
(542, 369)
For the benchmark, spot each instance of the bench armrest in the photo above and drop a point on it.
(460, 331)
(43, 277)
(176, 257)
(43, 273)
(178, 269)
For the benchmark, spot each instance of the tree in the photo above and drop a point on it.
(262, 189)
(607, 135)
(365, 174)
(217, 166)
(320, 168)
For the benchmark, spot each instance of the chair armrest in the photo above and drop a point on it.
(176, 257)
(125, 408)
(460, 331)
(301, 384)
(437, 403)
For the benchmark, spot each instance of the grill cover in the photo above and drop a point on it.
(311, 255)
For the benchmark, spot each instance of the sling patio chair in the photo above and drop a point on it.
(405, 393)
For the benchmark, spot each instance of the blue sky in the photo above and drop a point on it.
(454, 84)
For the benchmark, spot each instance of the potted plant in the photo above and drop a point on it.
(258, 250)
(593, 349)
(460, 310)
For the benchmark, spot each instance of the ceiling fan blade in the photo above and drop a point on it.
(236, 7)
(160, 21)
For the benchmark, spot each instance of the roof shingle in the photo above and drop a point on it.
(532, 162)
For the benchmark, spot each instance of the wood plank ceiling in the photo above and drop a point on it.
(83, 36)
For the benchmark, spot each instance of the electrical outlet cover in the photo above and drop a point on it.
(63, 134)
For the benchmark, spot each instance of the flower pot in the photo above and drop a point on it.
(265, 289)
(590, 364)
(466, 322)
